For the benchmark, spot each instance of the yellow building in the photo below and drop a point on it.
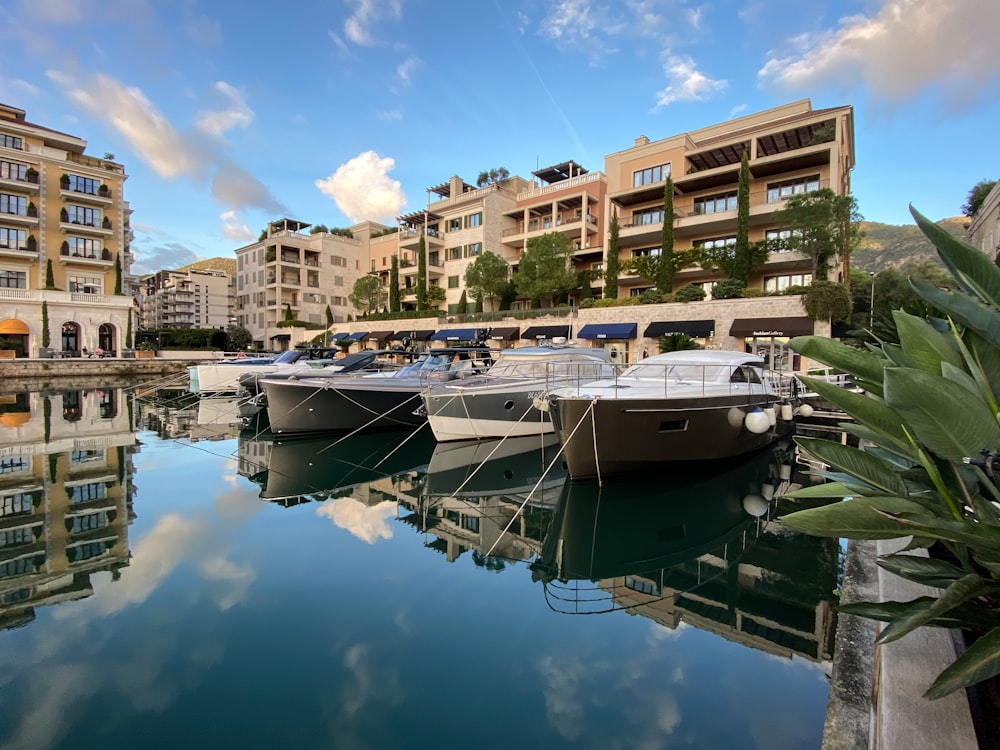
(64, 240)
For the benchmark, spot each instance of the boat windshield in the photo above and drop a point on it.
(692, 372)
(286, 357)
(551, 369)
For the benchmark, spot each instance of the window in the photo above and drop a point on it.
(11, 141)
(713, 204)
(13, 204)
(83, 493)
(14, 465)
(777, 239)
(650, 175)
(13, 239)
(91, 217)
(13, 279)
(12, 170)
(88, 522)
(781, 283)
(716, 244)
(473, 250)
(86, 284)
(80, 184)
(454, 224)
(474, 220)
(647, 216)
(453, 282)
(779, 191)
(646, 252)
(454, 253)
(84, 247)
(338, 280)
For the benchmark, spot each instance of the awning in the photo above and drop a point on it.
(743, 328)
(356, 336)
(545, 332)
(456, 334)
(422, 335)
(620, 331)
(280, 337)
(696, 329)
(379, 336)
(12, 325)
(505, 334)
(336, 336)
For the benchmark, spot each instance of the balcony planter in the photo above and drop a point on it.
(64, 248)
(104, 191)
(31, 244)
(64, 216)
(32, 211)
(106, 224)
(105, 254)
(31, 175)
(64, 182)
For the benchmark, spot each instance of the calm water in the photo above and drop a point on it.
(189, 585)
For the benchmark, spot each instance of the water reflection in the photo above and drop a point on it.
(65, 496)
(173, 414)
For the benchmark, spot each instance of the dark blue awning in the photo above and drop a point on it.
(357, 336)
(456, 334)
(337, 336)
(621, 331)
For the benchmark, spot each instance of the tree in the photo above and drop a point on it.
(823, 226)
(976, 197)
(50, 281)
(492, 177)
(665, 272)
(128, 331)
(741, 265)
(928, 423)
(118, 273)
(612, 262)
(238, 339)
(546, 268)
(318, 228)
(394, 302)
(436, 293)
(45, 324)
(486, 277)
(825, 300)
(288, 313)
(368, 294)
(329, 316)
(677, 342)
(421, 290)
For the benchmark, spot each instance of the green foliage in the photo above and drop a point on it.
(728, 289)
(118, 273)
(650, 297)
(930, 425)
(612, 263)
(677, 342)
(825, 226)
(50, 281)
(318, 228)
(128, 331)
(508, 295)
(45, 324)
(394, 299)
(463, 302)
(329, 316)
(546, 268)
(492, 177)
(146, 346)
(587, 302)
(487, 276)
(689, 293)
(976, 196)
(291, 324)
(741, 252)
(825, 300)
(436, 293)
(342, 232)
(367, 295)
(238, 339)
(665, 270)
(421, 290)
(288, 313)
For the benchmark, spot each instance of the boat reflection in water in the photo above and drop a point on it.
(293, 471)
(65, 496)
(707, 553)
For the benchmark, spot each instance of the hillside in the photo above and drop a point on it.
(887, 245)
(213, 264)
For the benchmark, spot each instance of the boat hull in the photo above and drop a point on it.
(481, 413)
(300, 407)
(606, 436)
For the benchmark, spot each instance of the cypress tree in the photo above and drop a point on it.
(394, 304)
(611, 264)
(50, 281)
(741, 265)
(128, 332)
(421, 274)
(45, 324)
(665, 270)
(118, 273)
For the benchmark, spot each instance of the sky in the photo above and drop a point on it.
(228, 114)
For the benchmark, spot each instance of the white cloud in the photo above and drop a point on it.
(369, 523)
(404, 69)
(27, 88)
(737, 110)
(357, 28)
(573, 20)
(236, 114)
(236, 229)
(363, 190)
(902, 49)
(686, 83)
(151, 258)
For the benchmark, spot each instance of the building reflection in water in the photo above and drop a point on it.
(173, 414)
(705, 551)
(66, 461)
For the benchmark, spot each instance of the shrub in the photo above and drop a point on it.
(796, 289)
(748, 293)
(825, 300)
(728, 289)
(650, 297)
(587, 302)
(689, 293)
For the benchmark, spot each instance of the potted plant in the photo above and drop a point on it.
(145, 350)
(31, 175)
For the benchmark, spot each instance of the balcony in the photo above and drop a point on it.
(27, 184)
(102, 259)
(28, 249)
(77, 227)
(27, 218)
(101, 197)
(410, 238)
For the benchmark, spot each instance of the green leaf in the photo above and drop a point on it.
(919, 542)
(867, 410)
(943, 416)
(868, 468)
(960, 377)
(965, 309)
(921, 569)
(979, 662)
(956, 594)
(858, 518)
(837, 490)
(988, 358)
(882, 611)
(970, 267)
(926, 348)
(900, 454)
(863, 365)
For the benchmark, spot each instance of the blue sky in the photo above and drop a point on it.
(228, 114)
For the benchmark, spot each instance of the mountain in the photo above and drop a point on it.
(213, 264)
(887, 245)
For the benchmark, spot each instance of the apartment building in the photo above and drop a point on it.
(792, 149)
(984, 230)
(289, 269)
(64, 241)
(188, 298)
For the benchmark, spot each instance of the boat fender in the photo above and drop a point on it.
(540, 402)
(786, 411)
(772, 415)
(805, 411)
(757, 422)
(755, 505)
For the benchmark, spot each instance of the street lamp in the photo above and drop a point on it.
(871, 306)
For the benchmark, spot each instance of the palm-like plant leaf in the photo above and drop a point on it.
(859, 518)
(864, 466)
(864, 367)
(979, 662)
(971, 268)
(926, 348)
